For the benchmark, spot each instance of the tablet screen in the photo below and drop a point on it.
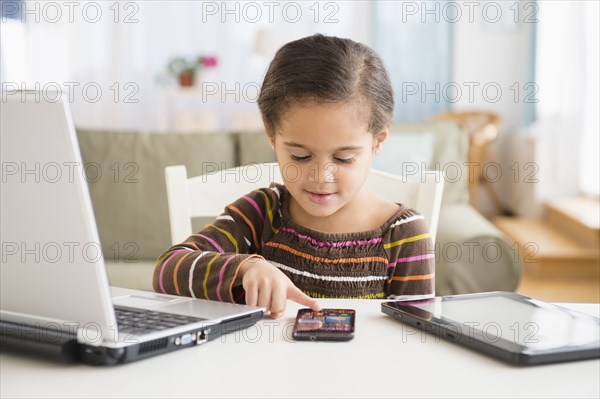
(532, 323)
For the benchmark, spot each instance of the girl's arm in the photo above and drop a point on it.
(207, 264)
(411, 268)
(217, 261)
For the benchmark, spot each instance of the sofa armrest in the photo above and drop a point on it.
(472, 255)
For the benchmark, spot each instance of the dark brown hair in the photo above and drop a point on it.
(326, 69)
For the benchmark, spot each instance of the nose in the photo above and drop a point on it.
(322, 172)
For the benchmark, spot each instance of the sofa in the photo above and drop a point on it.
(126, 182)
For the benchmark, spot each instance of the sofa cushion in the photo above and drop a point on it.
(449, 154)
(136, 275)
(127, 184)
(414, 150)
(253, 147)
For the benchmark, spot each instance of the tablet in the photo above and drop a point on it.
(508, 326)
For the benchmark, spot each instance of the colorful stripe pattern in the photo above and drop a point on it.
(395, 262)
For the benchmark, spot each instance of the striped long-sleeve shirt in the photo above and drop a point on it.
(394, 261)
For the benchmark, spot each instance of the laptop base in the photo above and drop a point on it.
(38, 342)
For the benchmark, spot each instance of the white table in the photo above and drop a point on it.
(383, 360)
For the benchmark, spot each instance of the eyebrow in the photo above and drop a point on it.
(344, 148)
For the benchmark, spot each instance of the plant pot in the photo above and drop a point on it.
(186, 78)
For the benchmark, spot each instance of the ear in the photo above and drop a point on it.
(271, 138)
(380, 138)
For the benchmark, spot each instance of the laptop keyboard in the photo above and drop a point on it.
(142, 321)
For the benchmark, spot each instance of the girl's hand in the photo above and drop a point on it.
(268, 287)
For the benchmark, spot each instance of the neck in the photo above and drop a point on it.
(347, 219)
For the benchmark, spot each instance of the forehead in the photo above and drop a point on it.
(325, 126)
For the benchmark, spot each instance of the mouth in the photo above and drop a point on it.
(319, 198)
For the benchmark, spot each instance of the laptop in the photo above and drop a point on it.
(55, 295)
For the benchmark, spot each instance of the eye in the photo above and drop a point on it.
(344, 160)
(300, 159)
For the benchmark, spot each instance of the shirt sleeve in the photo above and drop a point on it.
(207, 263)
(411, 268)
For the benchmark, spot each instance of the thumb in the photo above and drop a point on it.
(296, 295)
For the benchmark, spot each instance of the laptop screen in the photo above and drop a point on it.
(52, 269)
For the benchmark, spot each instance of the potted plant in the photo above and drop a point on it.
(185, 69)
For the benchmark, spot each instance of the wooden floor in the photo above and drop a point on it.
(560, 251)
(560, 290)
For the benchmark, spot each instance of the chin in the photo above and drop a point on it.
(321, 213)
(319, 210)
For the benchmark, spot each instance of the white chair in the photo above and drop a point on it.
(208, 194)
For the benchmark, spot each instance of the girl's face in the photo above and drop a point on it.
(325, 153)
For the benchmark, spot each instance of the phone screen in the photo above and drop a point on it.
(325, 325)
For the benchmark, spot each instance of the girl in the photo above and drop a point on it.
(326, 104)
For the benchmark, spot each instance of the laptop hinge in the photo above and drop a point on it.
(90, 334)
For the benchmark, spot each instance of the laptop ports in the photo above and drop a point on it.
(198, 338)
(202, 337)
(185, 339)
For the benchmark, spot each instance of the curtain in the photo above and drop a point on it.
(590, 142)
(417, 50)
(567, 112)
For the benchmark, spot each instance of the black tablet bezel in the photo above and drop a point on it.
(503, 349)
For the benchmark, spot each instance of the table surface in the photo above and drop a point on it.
(385, 359)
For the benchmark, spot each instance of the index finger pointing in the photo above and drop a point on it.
(296, 295)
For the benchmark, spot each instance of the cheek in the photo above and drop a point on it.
(351, 176)
(292, 172)
(358, 172)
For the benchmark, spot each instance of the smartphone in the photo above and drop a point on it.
(325, 325)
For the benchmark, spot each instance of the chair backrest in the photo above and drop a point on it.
(207, 195)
